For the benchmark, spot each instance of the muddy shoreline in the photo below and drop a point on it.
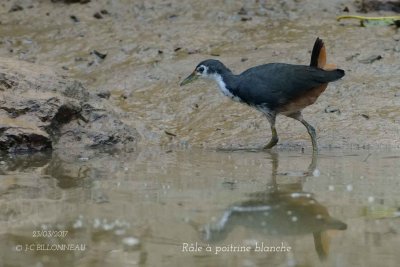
(137, 53)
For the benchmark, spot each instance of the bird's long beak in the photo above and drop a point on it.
(192, 77)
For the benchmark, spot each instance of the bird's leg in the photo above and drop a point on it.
(311, 131)
(312, 168)
(274, 138)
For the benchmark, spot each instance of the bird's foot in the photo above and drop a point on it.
(271, 143)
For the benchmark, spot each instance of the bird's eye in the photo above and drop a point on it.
(200, 69)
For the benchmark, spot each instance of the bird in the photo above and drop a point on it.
(274, 88)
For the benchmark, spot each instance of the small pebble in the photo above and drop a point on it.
(242, 11)
(99, 54)
(104, 94)
(330, 109)
(365, 116)
(104, 12)
(74, 18)
(97, 15)
(15, 8)
(370, 59)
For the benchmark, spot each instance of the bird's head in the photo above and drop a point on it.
(209, 68)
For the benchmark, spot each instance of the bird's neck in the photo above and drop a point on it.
(226, 83)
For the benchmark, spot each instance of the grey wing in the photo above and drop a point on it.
(276, 84)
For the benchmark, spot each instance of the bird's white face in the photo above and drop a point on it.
(202, 71)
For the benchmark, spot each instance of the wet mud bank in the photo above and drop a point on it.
(136, 54)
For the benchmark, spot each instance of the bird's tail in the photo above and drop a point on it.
(318, 56)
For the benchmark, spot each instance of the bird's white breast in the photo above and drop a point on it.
(223, 89)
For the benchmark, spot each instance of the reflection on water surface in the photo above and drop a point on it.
(138, 209)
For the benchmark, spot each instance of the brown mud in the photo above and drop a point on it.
(149, 46)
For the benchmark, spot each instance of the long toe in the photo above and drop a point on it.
(271, 143)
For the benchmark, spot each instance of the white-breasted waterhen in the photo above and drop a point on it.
(275, 88)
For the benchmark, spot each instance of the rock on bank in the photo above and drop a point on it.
(42, 110)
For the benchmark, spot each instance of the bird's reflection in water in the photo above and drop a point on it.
(281, 210)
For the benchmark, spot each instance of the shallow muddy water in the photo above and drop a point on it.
(148, 207)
